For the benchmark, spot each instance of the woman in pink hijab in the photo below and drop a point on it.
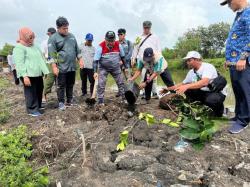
(30, 67)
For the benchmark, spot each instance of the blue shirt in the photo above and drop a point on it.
(238, 41)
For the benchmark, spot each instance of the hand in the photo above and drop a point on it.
(142, 85)
(96, 76)
(163, 91)
(81, 63)
(172, 88)
(26, 81)
(55, 71)
(226, 64)
(130, 79)
(181, 89)
(241, 65)
(121, 63)
(133, 62)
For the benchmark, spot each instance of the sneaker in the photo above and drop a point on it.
(101, 102)
(233, 119)
(118, 95)
(61, 106)
(236, 128)
(35, 114)
(154, 96)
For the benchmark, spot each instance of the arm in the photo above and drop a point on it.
(137, 74)
(97, 57)
(122, 55)
(245, 53)
(79, 56)
(192, 86)
(19, 58)
(52, 53)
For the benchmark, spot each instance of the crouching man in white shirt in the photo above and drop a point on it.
(195, 85)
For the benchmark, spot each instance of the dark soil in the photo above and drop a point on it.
(149, 160)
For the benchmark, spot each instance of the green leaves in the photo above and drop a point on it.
(189, 134)
(150, 119)
(170, 123)
(123, 141)
(15, 170)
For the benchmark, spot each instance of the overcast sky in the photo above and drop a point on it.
(170, 18)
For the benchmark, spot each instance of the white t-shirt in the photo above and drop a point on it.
(153, 42)
(44, 47)
(205, 71)
(11, 62)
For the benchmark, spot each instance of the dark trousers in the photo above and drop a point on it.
(85, 74)
(33, 94)
(15, 77)
(166, 78)
(211, 99)
(241, 87)
(65, 81)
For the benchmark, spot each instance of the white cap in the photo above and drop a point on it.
(192, 54)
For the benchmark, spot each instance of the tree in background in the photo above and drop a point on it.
(7, 48)
(209, 41)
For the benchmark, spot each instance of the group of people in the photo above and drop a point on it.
(56, 63)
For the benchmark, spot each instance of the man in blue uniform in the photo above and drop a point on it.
(237, 59)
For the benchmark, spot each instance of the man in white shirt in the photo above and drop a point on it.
(146, 40)
(50, 78)
(196, 84)
(88, 53)
(12, 67)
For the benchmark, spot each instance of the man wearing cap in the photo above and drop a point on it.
(146, 40)
(49, 78)
(88, 52)
(155, 65)
(195, 85)
(237, 60)
(64, 52)
(108, 58)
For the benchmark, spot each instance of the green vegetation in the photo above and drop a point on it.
(7, 48)
(15, 149)
(4, 107)
(209, 41)
(194, 120)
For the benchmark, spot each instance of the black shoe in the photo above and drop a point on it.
(118, 95)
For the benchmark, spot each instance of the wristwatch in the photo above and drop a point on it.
(244, 56)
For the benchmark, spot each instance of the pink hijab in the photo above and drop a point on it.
(26, 37)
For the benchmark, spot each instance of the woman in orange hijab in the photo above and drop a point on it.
(30, 67)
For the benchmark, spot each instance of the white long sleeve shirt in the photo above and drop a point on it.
(153, 42)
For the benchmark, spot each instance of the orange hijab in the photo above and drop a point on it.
(26, 37)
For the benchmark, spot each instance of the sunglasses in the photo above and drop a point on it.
(120, 34)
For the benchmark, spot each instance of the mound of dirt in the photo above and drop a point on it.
(149, 159)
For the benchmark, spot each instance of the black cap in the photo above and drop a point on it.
(110, 36)
(147, 24)
(121, 31)
(224, 3)
(148, 54)
(51, 30)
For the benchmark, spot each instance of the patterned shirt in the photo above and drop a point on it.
(88, 53)
(238, 41)
(158, 66)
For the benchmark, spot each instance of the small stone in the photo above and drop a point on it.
(182, 177)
